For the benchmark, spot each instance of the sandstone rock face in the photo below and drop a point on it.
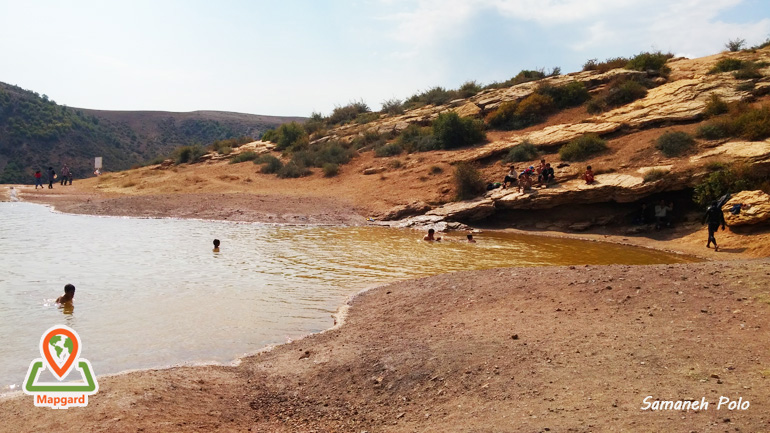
(749, 151)
(469, 210)
(468, 110)
(374, 170)
(758, 209)
(413, 208)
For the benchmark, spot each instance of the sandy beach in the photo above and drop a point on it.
(517, 349)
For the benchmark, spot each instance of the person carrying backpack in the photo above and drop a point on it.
(715, 218)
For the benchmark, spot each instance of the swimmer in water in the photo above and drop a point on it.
(66, 298)
(429, 237)
(216, 245)
(470, 238)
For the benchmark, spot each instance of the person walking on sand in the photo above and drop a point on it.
(51, 175)
(39, 179)
(715, 218)
(65, 173)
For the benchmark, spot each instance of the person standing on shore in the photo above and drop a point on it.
(65, 173)
(39, 179)
(51, 174)
(715, 218)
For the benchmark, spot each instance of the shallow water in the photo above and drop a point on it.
(151, 293)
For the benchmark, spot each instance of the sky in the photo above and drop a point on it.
(296, 57)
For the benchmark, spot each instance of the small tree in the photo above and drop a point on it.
(468, 181)
(452, 131)
(736, 44)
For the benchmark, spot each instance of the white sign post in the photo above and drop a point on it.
(98, 165)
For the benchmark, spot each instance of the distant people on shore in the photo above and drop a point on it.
(511, 177)
(65, 174)
(525, 179)
(39, 179)
(51, 177)
(430, 236)
(216, 245)
(546, 176)
(14, 195)
(588, 176)
(662, 217)
(715, 218)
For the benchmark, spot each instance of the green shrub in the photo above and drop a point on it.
(390, 149)
(331, 169)
(319, 154)
(189, 154)
(764, 44)
(655, 174)
(316, 123)
(713, 131)
(650, 62)
(222, 146)
(468, 181)
(748, 86)
(727, 64)
(567, 95)
(674, 143)
(417, 139)
(624, 92)
(525, 151)
(291, 136)
(270, 135)
(732, 179)
(348, 113)
(292, 169)
(393, 106)
(582, 147)
(270, 164)
(504, 117)
(243, 157)
(468, 89)
(735, 44)
(535, 108)
(748, 72)
(715, 106)
(619, 92)
(225, 150)
(452, 131)
(607, 65)
(434, 96)
(752, 124)
(365, 118)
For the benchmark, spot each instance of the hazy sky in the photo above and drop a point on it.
(294, 57)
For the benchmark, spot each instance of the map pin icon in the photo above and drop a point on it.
(70, 342)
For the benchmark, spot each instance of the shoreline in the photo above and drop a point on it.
(302, 384)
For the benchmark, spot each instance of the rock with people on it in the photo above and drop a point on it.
(747, 208)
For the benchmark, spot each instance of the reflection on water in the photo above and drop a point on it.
(152, 293)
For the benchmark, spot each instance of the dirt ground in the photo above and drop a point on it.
(531, 349)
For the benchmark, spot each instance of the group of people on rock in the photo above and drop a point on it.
(544, 174)
(66, 176)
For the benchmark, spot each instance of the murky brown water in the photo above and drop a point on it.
(152, 293)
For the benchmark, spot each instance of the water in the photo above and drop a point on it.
(151, 293)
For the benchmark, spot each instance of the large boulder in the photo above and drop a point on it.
(469, 210)
(403, 211)
(756, 208)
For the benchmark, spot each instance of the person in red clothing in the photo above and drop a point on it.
(38, 179)
(589, 176)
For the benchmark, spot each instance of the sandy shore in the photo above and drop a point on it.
(518, 349)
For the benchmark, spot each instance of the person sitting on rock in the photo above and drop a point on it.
(547, 175)
(525, 180)
(511, 177)
(541, 167)
(430, 238)
(588, 176)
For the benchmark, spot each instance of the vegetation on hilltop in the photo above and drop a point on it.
(36, 132)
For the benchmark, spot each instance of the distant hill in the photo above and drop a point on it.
(35, 133)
